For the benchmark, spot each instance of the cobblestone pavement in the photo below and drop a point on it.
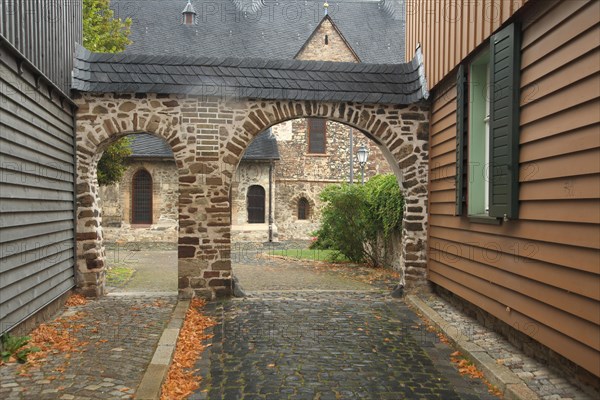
(327, 345)
(545, 382)
(117, 337)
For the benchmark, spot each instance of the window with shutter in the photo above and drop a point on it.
(493, 129)
(256, 204)
(317, 130)
(479, 135)
(505, 60)
(461, 126)
(141, 198)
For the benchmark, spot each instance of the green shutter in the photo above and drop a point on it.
(505, 63)
(461, 116)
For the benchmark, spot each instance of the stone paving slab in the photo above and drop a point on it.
(327, 345)
(524, 377)
(121, 332)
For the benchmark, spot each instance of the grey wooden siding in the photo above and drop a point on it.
(37, 191)
(45, 32)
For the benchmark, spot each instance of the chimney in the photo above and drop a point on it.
(188, 13)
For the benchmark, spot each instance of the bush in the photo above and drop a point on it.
(111, 166)
(354, 216)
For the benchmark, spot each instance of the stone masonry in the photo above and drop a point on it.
(208, 137)
(301, 174)
(116, 204)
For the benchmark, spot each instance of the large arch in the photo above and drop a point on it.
(208, 137)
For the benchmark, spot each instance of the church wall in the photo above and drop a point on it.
(116, 204)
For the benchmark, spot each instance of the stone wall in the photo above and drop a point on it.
(115, 203)
(247, 174)
(326, 44)
(208, 137)
(301, 174)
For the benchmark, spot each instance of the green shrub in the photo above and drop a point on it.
(15, 346)
(354, 216)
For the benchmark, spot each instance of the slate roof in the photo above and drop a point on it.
(263, 147)
(249, 78)
(272, 29)
(143, 145)
(147, 145)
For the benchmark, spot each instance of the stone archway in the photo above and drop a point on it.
(101, 123)
(208, 137)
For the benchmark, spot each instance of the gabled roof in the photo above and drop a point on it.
(147, 145)
(263, 147)
(249, 78)
(272, 29)
(312, 35)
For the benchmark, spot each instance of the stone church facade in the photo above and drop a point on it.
(284, 187)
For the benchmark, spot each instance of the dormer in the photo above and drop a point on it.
(188, 14)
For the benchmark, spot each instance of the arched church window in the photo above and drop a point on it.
(141, 196)
(303, 208)
(256, 204)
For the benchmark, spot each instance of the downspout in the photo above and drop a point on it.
(351, 177)
(270, 201)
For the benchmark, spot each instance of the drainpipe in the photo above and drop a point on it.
(351, 177)
(270, 201)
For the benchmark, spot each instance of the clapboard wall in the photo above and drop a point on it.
(45, 32)
(37, 164)
(540, 273)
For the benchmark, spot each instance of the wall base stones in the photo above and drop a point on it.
(208, 137)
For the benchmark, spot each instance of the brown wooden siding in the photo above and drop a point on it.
(541, 273)
(449, 30)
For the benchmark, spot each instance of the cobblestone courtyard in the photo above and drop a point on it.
(327, 345)
(305, 330)
(306, 333)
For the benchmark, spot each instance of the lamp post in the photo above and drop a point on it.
(362, 154)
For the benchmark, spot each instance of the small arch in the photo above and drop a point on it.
(255, 200)
(303, 209)
(141, 198)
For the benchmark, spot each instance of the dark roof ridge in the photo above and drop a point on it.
(255, 63)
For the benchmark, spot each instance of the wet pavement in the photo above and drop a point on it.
(327, 345)
(115, 338)
(305, 333)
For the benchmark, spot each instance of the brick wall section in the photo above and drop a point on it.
(189, 124)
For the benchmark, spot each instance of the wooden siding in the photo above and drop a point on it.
(449, 30)
(45, 32)
(540, 273)
(37, 193)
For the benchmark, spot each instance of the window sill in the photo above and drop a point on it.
(316, 154)
(484, 219)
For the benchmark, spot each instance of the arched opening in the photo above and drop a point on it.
(311, 154)
(207, 166)
(141, 198)
(256, 204)
(303, 209)
(129, 224)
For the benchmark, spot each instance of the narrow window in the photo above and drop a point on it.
(479, 136)
(303, 208)
(256, 204)
(326, 40)
(141, 209)
(317, 128)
